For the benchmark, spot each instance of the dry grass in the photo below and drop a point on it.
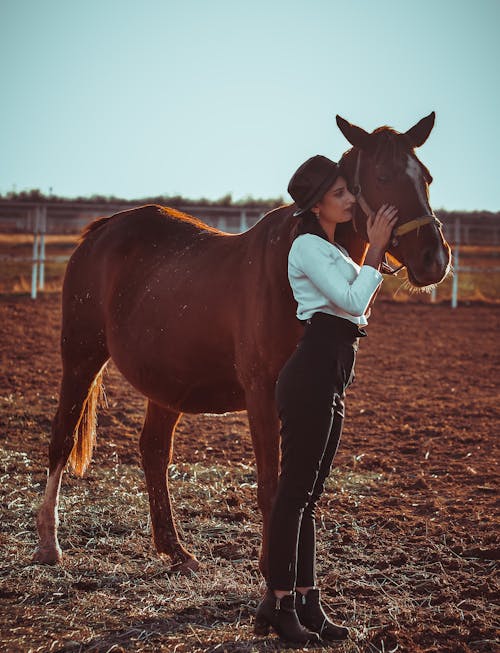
(14, 240)
(112, 592)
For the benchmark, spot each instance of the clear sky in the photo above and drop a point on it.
(207, 97)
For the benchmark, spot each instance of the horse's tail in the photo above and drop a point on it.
(85, 429)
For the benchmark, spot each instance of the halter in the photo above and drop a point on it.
(403, 229)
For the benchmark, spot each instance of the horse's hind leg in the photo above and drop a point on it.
(71, 427)
(156, 453)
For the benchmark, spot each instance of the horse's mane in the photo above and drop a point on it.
(388, 145)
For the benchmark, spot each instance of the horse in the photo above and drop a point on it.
(202, 321)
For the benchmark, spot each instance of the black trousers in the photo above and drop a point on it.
(310, 399)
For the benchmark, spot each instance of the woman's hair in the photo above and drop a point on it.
(308, 223)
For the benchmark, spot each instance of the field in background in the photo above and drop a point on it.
(15, 275)
(16, 251)
(481, 285)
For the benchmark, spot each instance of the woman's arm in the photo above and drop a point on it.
(315, 260)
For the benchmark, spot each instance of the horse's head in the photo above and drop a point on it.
(382, 168)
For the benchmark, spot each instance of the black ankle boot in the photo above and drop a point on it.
(313, 617)
(281, 615)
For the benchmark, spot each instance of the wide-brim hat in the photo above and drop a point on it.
(311, 181)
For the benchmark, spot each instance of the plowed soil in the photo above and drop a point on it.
(407, 542)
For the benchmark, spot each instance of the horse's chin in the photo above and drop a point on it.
(425, 282)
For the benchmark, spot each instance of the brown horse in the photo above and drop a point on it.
(202, 321)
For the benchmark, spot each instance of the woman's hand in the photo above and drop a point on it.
(379, 227)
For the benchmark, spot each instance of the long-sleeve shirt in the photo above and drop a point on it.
(324, 278)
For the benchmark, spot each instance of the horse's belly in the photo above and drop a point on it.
(190, 375)
(215, 398)
(184, 393)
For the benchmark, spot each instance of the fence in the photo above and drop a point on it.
(42, 219)
(458, 233)
(45, 218)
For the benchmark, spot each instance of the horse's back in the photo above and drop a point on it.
(131, 243)
(183, 308)
(145, 226)
(160, 290)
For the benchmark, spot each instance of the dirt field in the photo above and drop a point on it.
(408, 549)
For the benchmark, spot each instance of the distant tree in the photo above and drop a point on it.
(33, 195)
(176, 201)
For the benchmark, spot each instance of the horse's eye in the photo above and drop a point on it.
(383, 179)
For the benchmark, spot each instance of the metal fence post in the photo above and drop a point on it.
(243, 221)
(43, 230)
(34, 268)
(456, 265)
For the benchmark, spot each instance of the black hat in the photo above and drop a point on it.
(311, 181)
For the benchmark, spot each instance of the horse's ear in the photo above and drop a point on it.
(419, 133)
(355, 135)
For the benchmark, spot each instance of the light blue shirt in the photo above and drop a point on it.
(324, 278)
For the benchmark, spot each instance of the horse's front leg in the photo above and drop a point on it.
(156, 445)
(264, 427)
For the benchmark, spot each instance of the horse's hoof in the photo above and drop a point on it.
(45, 555)
(186, 567)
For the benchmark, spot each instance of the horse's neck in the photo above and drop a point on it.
(279, 227)
(351, 240)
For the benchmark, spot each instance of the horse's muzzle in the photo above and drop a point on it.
(431, 267)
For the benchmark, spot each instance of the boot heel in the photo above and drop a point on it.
(261, 626)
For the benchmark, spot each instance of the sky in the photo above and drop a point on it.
(201, 98)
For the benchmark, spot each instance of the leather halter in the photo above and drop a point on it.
(397, 232)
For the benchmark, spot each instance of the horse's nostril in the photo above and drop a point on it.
(428, 257)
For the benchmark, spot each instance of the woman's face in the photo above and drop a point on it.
(336, 205)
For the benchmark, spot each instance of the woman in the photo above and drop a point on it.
(333, 295)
